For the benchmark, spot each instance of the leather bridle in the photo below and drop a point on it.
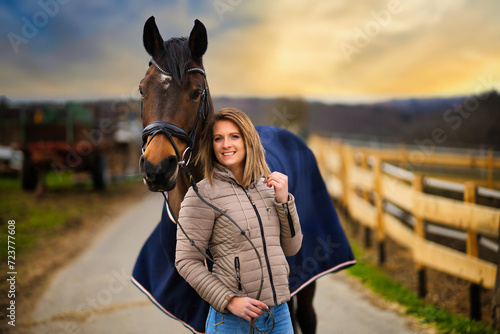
(171, 130)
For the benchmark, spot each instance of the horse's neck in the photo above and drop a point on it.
(176, 195)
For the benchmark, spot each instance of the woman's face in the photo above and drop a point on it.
(229, 147)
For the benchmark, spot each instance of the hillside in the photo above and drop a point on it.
(468, 121)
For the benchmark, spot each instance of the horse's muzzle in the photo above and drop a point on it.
(159, 177)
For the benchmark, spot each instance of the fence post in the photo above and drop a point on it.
(377, 172)
(366, 197)
(343, 175)
(490, 162)
(473, 250)
(347, 161)
(403, 156)
(419, 230)
(495, 303)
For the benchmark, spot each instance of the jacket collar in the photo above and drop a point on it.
(224, 174)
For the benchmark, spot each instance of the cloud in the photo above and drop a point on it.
(94, 48)
(288, 49)
(89, 49)
(294, 50)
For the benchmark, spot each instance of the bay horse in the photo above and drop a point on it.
(175, 106)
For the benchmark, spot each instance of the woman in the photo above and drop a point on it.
(239, 182)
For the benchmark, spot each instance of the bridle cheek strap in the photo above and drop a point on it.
(171, 130)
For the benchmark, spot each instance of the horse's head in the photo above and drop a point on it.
(175, 103)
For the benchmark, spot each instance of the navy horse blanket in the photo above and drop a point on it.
(325, 248)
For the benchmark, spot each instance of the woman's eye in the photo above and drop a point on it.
(235, 137)
(217, 139)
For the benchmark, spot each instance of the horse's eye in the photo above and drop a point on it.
(141, 92)
(195, 95)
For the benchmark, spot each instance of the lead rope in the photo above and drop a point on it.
(243, 209)
(191, 241)
(253, 326)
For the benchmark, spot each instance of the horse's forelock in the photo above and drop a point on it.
(176, 57)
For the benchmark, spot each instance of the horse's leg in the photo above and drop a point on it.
(292, 307)
(305, 310)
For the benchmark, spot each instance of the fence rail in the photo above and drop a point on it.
(392, 201)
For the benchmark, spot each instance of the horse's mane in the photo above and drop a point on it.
(176, 56)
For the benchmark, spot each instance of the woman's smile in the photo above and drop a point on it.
(229, 147)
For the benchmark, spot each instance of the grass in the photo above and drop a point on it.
(379, 282)
(61, 207)
(35, 218)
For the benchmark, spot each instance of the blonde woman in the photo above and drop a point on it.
(239, 183)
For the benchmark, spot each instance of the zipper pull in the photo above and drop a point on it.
(249, 197)
(285, 207)
(289, 217)
(268, 213)
(237, 267)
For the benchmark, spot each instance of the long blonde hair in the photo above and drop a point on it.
(255, 161)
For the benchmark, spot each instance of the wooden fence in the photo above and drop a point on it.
(390, 200)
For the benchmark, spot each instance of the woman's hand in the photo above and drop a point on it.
(246, 307)
(280, 183)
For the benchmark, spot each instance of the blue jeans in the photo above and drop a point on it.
(232, 324)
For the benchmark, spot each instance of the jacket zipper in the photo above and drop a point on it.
(289, 216)
(263, 245)
(238, 274)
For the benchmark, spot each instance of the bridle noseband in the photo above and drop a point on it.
(171, 130)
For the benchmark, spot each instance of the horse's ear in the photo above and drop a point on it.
(198, 40)
(153, 42)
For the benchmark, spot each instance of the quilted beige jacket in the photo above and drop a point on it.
(273, 228)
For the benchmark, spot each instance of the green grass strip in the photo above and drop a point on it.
(446, 322)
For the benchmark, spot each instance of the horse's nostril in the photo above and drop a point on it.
(160, 174)
(168, 166)
(171, 162)
(142, 166)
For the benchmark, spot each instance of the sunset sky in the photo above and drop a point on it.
(331, 50)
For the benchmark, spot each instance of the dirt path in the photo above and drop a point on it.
(87, 213)
(93, 294)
